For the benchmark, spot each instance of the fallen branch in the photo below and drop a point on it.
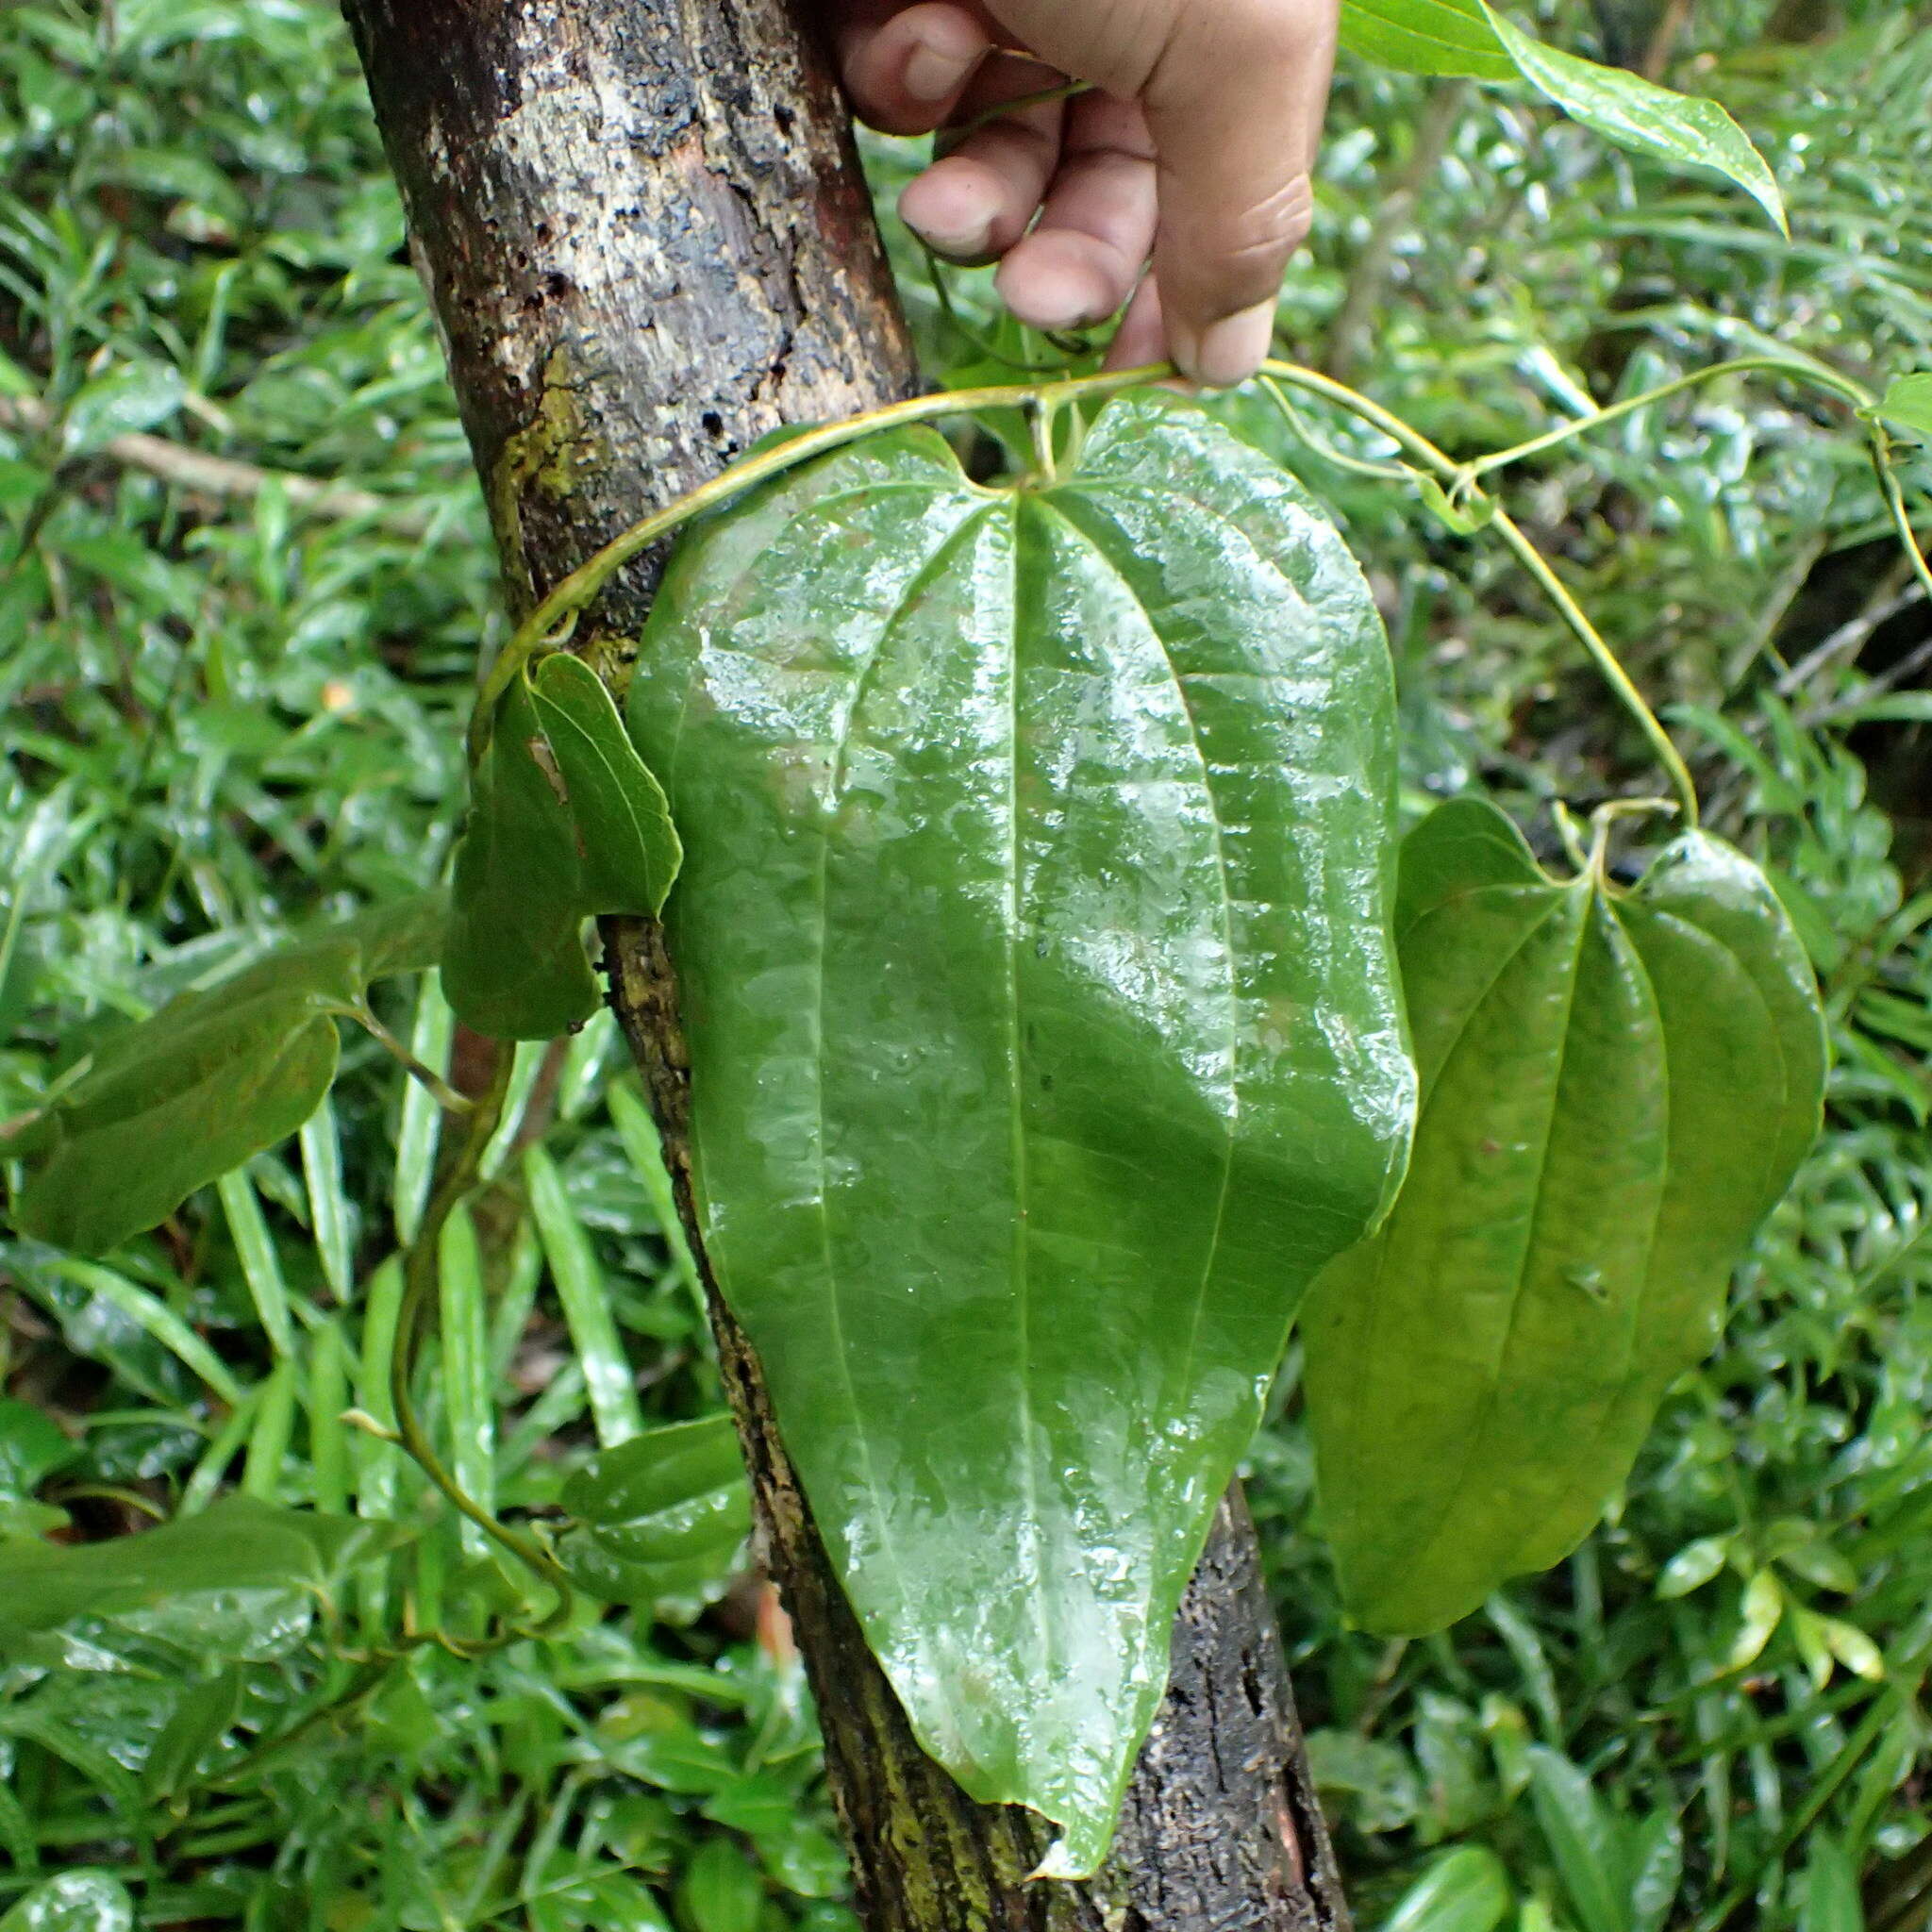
(224, 477)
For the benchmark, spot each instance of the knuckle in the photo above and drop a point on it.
(1258, 240)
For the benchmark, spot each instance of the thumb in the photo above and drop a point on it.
(1235, 108)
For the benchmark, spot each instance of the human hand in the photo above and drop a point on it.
(1194, 152)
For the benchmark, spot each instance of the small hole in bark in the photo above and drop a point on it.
(558, 283)
(714, 424)
(784, 117)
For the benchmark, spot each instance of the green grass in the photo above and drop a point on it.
(228, 713)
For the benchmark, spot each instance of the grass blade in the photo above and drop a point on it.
(614, 1404)
(261, 1266)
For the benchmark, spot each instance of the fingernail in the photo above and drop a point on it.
(1226, 352)
(935, 73)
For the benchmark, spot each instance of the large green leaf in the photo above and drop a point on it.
(1616, 1089)
(1044, 1039)
(1468, 38)
(565, 823)
(178, 1100)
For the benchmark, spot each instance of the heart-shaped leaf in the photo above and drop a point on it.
(565, 823)
(175, 1101)
(1616, 1089)
(1043, 1029)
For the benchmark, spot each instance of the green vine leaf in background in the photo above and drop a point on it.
(565, 823)
(237, 1544)
(1617, 1088)
(215, 1076)
(661, 1519)
(1468, 39)
(1906, 405)
(1043, 1028)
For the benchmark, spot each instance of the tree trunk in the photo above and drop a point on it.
(647, 242)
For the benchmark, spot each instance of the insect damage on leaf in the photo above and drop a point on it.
(1038, 982)
(1616, 1089)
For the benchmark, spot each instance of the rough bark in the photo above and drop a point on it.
(647, 242)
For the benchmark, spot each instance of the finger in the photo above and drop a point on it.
(906, 67)
(1090, 249)
(977, 200)
(1235, 108)
(1142, 337)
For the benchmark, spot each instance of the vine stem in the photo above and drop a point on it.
(575, 591)
(421, 1278)
(1454, 476)
(550, 622)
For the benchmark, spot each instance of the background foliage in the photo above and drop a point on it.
(232, 707)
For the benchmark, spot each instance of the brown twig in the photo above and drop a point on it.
(224, 477)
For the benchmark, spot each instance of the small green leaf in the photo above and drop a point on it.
(32, 1446)
(1906, 405)
(627, 846)
(1466, 1890)
(662, 1516)
(1686, 130)
(195, 1729)
(720, 1890)
(132, 396)
(1854, 1649)
(1582, 1837)
(1461, 517)
(1831, 1900)
(74, 1901)
(1763, 1611)
(513, 966)
(215, 1076)
(237, 1544)
(566, 822)
(1694, 1566)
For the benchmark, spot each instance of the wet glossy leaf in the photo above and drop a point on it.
(592, 1901)
(134, 396)
(195, 1729)
(32, 1446)
(238, 1544)
(1466, 1890)
(514, 965)
(1617, 1087)
(1037, 979)
(74, 1901)
(565, 823)
(662, 1516)
(1442, 37)
(720, 1890)
(1906, 405)
(1687, 130)
(172, 1103)
(627, 844)
(1468, 38)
